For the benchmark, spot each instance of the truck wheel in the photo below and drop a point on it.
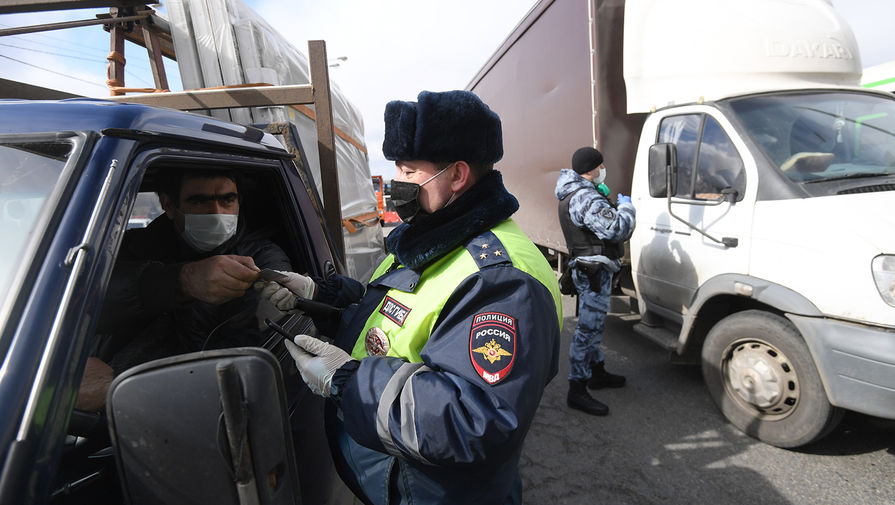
(761, 375)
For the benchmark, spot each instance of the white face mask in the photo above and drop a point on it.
(600, 177)
(204, 232)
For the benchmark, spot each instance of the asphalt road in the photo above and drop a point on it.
(664, 442)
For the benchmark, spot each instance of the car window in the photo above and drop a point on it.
(146, 208)
(29, 172)
(136, 306)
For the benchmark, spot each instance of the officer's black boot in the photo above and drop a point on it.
(600, 378)
(578, 398)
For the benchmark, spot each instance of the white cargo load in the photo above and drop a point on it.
(225, 43)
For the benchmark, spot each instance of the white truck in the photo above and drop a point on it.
(763, 178)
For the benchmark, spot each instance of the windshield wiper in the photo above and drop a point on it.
(858, 175)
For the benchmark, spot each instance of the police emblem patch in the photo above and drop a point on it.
(608, 213)
(395, 311)
(376, 342)
(492, 345)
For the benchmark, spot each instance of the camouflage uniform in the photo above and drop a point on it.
(588, 208)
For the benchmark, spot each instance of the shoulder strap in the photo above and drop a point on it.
(487, 250)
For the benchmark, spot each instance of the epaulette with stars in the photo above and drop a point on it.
(487, 250)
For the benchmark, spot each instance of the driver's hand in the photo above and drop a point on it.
(218, 279)
(94, 385)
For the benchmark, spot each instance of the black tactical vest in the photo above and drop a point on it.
(579, 240)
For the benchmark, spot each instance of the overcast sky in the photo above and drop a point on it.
(397, 48)
(394, 48)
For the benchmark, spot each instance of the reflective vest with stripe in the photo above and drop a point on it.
(408, 316)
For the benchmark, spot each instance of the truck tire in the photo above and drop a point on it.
(761, 375)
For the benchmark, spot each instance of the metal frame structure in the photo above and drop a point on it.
(11, 6)
(127, 20)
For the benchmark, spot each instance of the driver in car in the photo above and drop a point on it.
(182, 284)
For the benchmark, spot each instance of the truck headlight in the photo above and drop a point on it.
(883, 267)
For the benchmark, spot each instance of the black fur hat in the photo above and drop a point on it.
(446, 126)
(586, 159)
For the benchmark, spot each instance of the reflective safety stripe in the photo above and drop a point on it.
(400, 385)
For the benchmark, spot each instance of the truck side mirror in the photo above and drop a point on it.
(205, 427)
(662, 170)
(729, 195)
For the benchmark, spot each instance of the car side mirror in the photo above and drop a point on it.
(205, 427)
(662, 170)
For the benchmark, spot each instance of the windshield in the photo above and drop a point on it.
(823, 136)
(29, 171)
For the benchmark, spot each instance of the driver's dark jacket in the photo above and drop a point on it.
(145, 316)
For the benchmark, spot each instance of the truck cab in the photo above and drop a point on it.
(74, 174)
(762, 248)
(767, 255)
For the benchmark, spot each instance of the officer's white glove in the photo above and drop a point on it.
(317, 362)
(282, 294)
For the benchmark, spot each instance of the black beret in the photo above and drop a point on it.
(446, 126)
(586, 159)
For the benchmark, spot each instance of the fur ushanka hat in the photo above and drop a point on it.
(446, 126)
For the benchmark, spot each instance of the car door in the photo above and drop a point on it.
(275, 202)
(58, 204)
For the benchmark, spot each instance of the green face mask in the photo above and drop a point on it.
(603, 189)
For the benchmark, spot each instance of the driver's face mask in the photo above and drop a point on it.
(204, 232)
(405, 196)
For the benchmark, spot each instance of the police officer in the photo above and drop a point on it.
(439, 365)
(595, 230)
